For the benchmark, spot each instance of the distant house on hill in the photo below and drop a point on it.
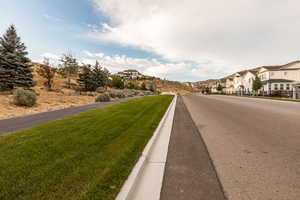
(130, 74)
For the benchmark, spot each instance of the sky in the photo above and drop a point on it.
(184, 40)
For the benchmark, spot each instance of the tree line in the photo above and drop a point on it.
(16, 70)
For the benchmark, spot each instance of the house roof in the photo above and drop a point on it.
(291, 63)
(274, 67)
(281, 67)
(130, 70)
(277, 81)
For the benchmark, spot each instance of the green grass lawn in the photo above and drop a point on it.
(86, 156)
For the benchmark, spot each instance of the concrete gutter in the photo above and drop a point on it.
(145, 180)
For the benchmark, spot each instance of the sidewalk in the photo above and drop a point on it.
(189, 173)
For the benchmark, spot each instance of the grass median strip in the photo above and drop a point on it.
(86, 156)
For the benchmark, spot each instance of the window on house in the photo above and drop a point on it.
(275, 86)
(272, 74)
(281, 86)
(285, 73)
(287, 86)
(270, 88)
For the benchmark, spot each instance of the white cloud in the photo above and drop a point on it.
(230, 34)
(52, 18)
(53, 58)
(181, 71)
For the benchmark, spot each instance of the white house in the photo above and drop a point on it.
(280, 77)
(238, 81)
(129, 74)
(247, 81)
(229, 89)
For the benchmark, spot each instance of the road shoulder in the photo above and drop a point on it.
(189, 172)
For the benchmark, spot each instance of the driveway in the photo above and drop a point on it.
(254, 144)
(14, 124)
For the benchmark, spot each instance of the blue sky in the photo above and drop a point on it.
(58, 26)
(159, 37)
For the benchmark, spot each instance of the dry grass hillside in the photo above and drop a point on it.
(173, 86)
(62, 97)
(166, 86)
(47, 101)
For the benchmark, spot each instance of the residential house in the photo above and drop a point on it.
(248, 79)
(229, 89)
(282, 78)
(238, 80)
(130, 74)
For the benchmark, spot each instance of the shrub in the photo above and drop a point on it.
(103, 98)
(118, 94)
(130, 85)
(143, 86)
(24, 97)
(117, 82)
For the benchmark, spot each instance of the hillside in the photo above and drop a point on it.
(62, 97)
(47, 101)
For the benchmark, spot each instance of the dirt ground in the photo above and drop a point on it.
(47, 101)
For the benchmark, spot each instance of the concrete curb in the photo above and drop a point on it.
(145, 180)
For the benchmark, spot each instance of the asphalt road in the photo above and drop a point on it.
(14, 124)
(254, 144)
(189, 173)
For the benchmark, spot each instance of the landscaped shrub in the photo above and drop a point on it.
(117, 94)
(23, 97)
(103, 98)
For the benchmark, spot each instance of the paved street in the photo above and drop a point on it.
(254, 144)
(11, 125)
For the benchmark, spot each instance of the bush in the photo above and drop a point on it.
(24, 97)
(103, 98)
(117, 82)
(117, 94)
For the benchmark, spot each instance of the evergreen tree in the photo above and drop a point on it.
(86, 78)
(117, 82)
(14, 68)
(100, 76)
(92, 78)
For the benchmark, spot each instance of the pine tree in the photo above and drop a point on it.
(92, 78)
(117, 82)
(86, 78)
(100, 75)
(14, 68)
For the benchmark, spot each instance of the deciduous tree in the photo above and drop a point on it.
(47, 72)
(69, 67)
(256, 84)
